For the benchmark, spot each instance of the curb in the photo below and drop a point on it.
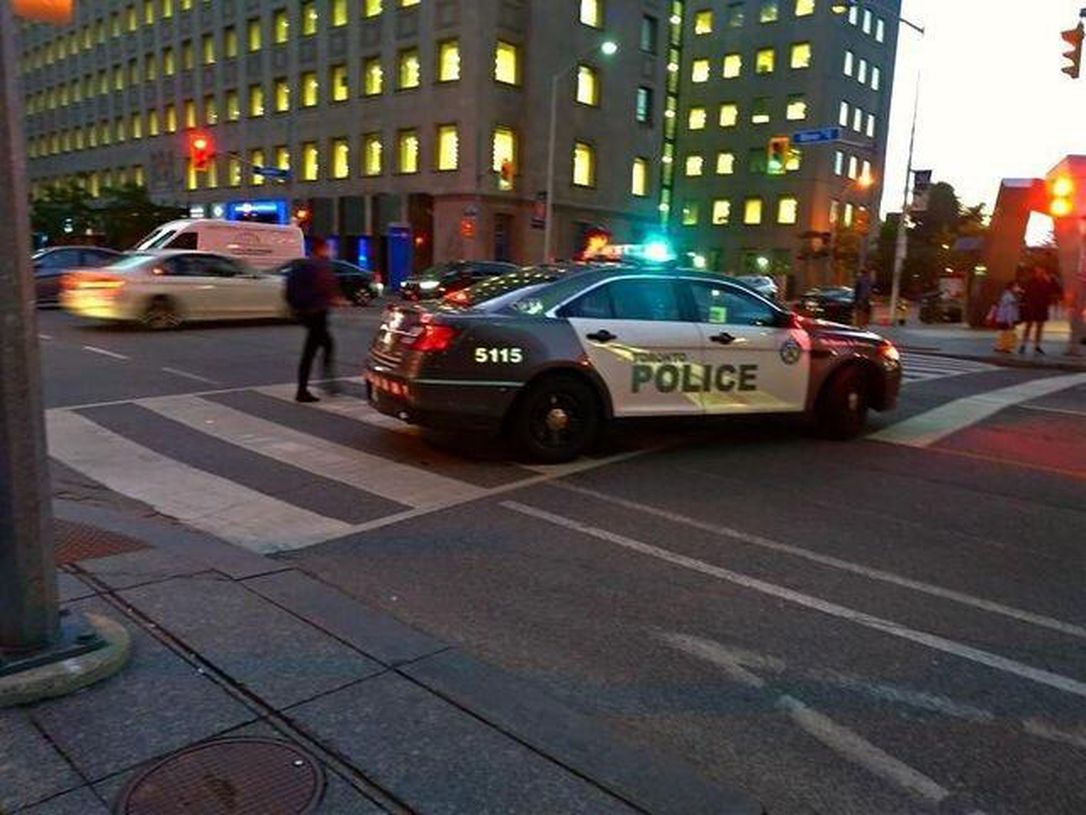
(1003, 362)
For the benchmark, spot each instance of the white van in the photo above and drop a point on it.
(262, 246)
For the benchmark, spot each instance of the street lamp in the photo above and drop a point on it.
(608, 48)
(902, 245)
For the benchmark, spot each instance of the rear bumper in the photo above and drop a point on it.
(96, 306)
(440, 404)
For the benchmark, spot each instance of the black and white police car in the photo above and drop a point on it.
(549, 364)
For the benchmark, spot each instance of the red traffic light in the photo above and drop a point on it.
(1073, 38)
(780, 150)
(1061, 196)
(201, 151)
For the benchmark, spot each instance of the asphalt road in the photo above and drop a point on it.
(893, 625)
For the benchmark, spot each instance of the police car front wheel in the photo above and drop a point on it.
(843, 405)
(556, 419)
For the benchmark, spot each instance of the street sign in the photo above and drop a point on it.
(824, 134)
(271, 172)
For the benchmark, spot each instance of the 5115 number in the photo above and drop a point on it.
(499, 355)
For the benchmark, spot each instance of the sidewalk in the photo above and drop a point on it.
(228, 644)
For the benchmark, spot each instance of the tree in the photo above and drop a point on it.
(62, 211)
(127, 214)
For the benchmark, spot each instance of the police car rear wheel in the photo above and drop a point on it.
(557, 419)
(842, 409)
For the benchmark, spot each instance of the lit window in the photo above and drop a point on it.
(211, 110)
(770, 11)
(186, 5)
(408, 3)
(801, 55)
(880, 30)
(695, 165)
(867, 21)
(797, 108)
(729, 114)
(339, 13)
(310, 161)
(506, 63)
(188, 56)
(759, 113)
(148, 12)
(876, 77)
(373, 76)
(282, 157)
(690, 213)
(119, 129)
(310, 89)
(850, 61)
(787, 210)
(137, 175)
(118, 79)
(853, 15)
(849, 213)
(341, 158)
(233, 172)
(407, 142)
(699, 70)
(152, 123)
(371, 9)
(503, 152)
(192, 178)
(409, 69)
(448, 147)
(167, 9)
(865, 172)
(131, 19)
(703, 22)
(282, 95)
(752, 211)
(256, 159)
(697, 118)
(372, 151)
(765, 60)
(207, 49)
(584, 165)
(843, 115)
(857, 120)
(280, 26)
(733, 65)
(189, 112)
(256, 101)
(725, 163)
(861, 74)
(639, 177)
(255, 35)
(853, 168)
(805, 7)
(337, 78)
(309, 18)
(233, 106)
(448, 61)
(588, 85)
(838, 163)
(230, 42)
(722, 212)
(870, 125)
(592, 13)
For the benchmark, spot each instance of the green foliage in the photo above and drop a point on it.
(121, 216)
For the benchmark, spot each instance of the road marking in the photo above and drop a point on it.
(187, 375)
(200, 499)
(836, 563)
(932, 641)
(922, 368)
(934, 425)
(403, 484)
(349, 407)
(1061, 411)
(45, 337)
(1010, 462)
(111, 354)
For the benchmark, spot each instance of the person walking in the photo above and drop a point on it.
(1037, 296)
(1006, 318)
(311, 292)
(861, 299)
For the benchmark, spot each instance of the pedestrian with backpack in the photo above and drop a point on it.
(311, 293)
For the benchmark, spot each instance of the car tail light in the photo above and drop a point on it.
(92, 281)
(434, 338)
(459, 298)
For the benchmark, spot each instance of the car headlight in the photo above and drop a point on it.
(889, 352)
(429, 285)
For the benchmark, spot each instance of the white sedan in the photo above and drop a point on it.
(161, 290)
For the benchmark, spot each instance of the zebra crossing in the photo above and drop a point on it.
(926, 367)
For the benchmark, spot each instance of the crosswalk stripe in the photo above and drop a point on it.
(200, 499)
(351, 408)
(924, 367)
(407, 485)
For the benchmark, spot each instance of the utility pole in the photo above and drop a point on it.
(901, 247)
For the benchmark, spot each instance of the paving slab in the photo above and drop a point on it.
(439, 759)
(71, 588)
(31, 769)
(145, 566)
(274, 654)
(374, 633)
(77, 802)
(156, 705)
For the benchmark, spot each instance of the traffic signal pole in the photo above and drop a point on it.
(901, 246)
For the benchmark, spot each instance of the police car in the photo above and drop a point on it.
(549, 364)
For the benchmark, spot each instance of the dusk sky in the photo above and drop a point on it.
(994, 103)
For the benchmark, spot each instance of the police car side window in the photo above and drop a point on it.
(593, 305)
(646, 299)
(721, 304)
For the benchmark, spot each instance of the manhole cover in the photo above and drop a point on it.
(76, 541)
(229, 776)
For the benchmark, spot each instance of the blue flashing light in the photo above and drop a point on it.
(658, 251)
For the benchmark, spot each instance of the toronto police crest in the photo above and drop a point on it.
(791, 352)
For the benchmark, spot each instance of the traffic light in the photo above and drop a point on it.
(1074, 39)
(780, 148)
(1061, 196)
(201, 151)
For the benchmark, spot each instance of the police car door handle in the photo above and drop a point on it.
(723, 338)
(603, 335)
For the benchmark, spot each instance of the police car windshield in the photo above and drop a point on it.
(510, 301)
(541, 299)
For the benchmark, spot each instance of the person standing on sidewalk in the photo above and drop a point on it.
(1038, 294)
(861, 299)
(1006, 318)
(311, 292)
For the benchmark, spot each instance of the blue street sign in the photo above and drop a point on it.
(824, 134)
(271, 172)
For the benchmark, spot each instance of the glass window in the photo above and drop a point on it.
(797, 107)
(448, 61)
(876, 77)
(310, 89)
(645, 299)
(838, 163)
(372, 154)
(282, 95)
(787, 210)
(339, 12)
(870, 125)
(256, 100)
(593, 305)
(211, 110)
(695, 165)
(233, 106)
(639, 178)
(233, 172)
(507, 63)
(861, 73)
(850, 61)
(880, 30)
(853, 168)
(805, 7)
(341, 158)
(309, 18)
(373, 76)
(690, 213)
(697, 118)
(643, 112)
(865, 172)
(857, 120)
(801, 55)
(752, 211)
(867, 21)
(131, 19)
(371, 8)
(727, 305)
(649, 34)
(592, 13)
(171, 119)
(207, 49)
(703, 22)
(722, 212)
(337, 79)
(503, 152)
(588, 85)
(407, 154)
(759, 111)
(584, 165)
(409, 73)
(280, 26)
(188, 56)
(448, 147)
(725, 163)
(282, 157)
(152, 123)
(843, 115)
(733, 65)
(769, 12)
(254, 35)
(230, 42)
(765, 60)
(736, 15)
(189, 109)
(699, 70)
(729, 114)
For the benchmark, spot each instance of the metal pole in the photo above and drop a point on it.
(901, 249)
(552, 143)
(29, 615)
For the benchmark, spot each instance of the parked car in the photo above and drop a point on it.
(763, 284)
(50, 265)
(936, 307)
(357, 284)
(161, 290)
(832, 303)
(439, 280)
(261, 246)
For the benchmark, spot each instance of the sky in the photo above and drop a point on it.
(993, 102)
